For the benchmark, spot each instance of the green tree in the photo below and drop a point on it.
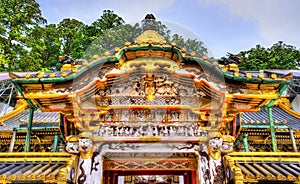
(108, 20)
(68, 28)
(51, 45)
(99, 29)
(109, 32)
(278, 56)
(191, 45)
(18, 18)
(27, 45)
(117, 36)
(113, 38)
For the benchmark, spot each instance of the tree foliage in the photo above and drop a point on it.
(52, 45)
(67, 30)
(27, 43)
(108, 20)
(278, 56)
(112, 38)
(118, 35)
(18, 19)
(88, 37)
(191, 45)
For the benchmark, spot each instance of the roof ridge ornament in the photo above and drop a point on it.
(150, 33)
(149, 23)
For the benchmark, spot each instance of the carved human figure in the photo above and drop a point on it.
(155, 132)
(125, 116)
(106, 131)
(137, 133)
(127, 131)
(141, 115)
(198, 131)
(117, 131)
(180, 131)
(191, 131)
(121, 132)
(135, 89)
(174, 114)
(141, 131)
(172, 131)
(149, 131)
(131, 131)
(164, 131)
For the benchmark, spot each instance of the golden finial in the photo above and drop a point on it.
(85, 63)
(106, 54)
(64, 74)
(52, 75)
(215, 63)
(40, 75)
(173, 44)
(138, 42)
(261, 76)
(27, 75)
(161, 42)
(248, 75)
(127, 44)
(205, 58)
(273, 76)
(95, 57)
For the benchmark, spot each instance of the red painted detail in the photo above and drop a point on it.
(233, 126)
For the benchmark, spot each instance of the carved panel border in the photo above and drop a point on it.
(158, 163)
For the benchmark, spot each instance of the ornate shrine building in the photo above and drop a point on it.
(149, 112)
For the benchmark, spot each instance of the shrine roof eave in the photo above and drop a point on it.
(254, 80)
(49, 164)
(262, 167)
(283, 116)
(115, 57)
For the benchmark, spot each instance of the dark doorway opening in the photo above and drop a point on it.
(111, 177)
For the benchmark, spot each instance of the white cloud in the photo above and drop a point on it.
(276, 19)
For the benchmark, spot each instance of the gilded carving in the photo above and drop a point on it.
(154, 164)
(72, 144)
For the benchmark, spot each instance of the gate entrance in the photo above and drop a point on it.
(150, 177)
(150, 168)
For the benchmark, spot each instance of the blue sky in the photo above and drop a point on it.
(223, 25)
